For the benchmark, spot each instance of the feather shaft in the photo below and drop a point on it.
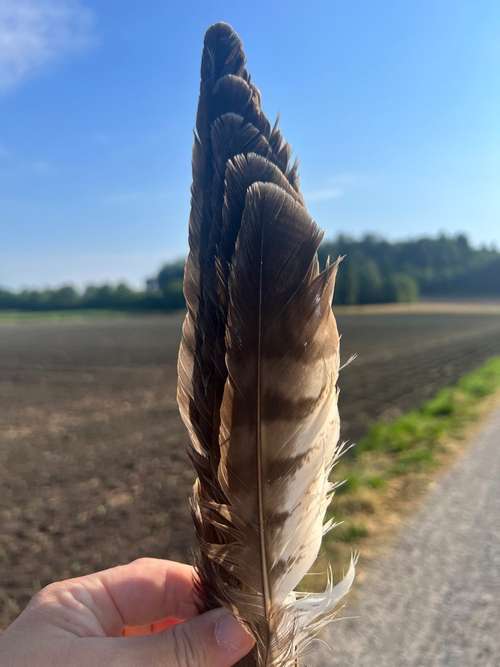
(258, 368)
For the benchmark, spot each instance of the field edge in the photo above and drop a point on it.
(394, 464)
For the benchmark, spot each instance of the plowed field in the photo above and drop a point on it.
(93, 469)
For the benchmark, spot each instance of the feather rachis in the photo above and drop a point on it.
(259, 318)
(236, 479)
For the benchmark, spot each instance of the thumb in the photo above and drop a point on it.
(213, 639)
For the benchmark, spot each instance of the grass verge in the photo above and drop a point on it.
(395, 461)
(83, 314)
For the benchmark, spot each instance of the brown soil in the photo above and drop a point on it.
(93, 470)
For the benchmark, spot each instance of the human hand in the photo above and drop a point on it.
(79, 623)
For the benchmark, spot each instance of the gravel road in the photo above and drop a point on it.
(434, 600)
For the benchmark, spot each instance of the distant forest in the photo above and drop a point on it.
(373, 271)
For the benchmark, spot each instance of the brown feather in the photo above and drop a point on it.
(258, 366)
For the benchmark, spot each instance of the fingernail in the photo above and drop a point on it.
(231, 635)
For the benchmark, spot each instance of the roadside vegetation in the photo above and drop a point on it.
(15, 316)
(394, 462)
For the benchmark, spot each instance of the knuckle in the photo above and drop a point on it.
(43, 599)
(47, 593)
(143, 562)
(51, 588)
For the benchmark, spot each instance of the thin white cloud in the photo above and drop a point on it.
(36, 33)
(136, 196)
(334, 188)
(324, 194)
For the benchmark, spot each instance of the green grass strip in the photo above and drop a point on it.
(407, 446)
(15, 316)
(415, 435)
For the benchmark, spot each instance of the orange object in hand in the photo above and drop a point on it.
(150, 628)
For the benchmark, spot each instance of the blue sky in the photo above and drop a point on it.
(392, 107)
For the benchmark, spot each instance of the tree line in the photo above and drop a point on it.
(378, 271)
(373, 270)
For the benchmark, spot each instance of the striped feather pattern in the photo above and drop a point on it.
(258, 368)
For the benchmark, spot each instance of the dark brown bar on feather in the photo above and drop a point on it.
(258, 367)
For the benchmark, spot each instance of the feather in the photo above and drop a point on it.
(258, 367)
